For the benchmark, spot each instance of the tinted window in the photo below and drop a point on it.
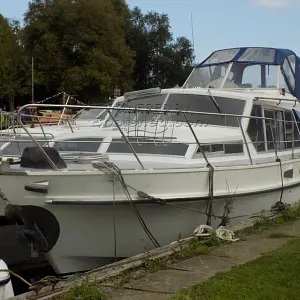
(289, 74)
(270, 128)
(17, 147)
(79, 145)
(123, 117)
(201, 103)
(256, 129)
(289, 129)
(89, 114)
(279, 130)
(147, 146)
(233, 148)
(225, 148)
(297, 128)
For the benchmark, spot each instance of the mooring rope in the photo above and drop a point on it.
(113, 170)
(210, 194)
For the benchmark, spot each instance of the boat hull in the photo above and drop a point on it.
(94, 229)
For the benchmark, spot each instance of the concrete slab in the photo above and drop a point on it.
(159, 285)
(245, 251)
(170, 281)
(198, 269)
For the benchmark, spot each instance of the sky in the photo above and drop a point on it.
(217, 24)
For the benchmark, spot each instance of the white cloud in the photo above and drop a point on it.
(275, 3)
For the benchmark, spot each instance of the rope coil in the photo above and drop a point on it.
(222, 233)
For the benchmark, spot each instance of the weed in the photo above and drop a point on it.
(155, 265)
(86, 291)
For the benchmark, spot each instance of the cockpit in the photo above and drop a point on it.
(247, 68)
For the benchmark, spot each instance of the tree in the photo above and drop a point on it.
(160, 61)
(13, 72)
(79, 46)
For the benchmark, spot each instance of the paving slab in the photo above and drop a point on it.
(197, 269)
(162, 284)
(251, 249)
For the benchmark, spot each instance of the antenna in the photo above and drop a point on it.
(193, 41)
(32, 80)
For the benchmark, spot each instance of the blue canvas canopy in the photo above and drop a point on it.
(288, 61)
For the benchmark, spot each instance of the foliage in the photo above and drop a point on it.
(89, 48)
(272, 276)
(13, 71)
(160, 61)
(79, 46)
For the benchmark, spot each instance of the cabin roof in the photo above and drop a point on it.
(285, 58)
(261, 55)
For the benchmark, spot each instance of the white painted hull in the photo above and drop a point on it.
(87, 230)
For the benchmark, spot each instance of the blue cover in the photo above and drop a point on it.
(287, 59)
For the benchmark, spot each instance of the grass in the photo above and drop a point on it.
(275, 275)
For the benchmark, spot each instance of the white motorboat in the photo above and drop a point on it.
(221, 149)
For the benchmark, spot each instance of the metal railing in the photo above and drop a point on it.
(159, 112)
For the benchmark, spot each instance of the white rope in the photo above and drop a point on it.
(222, 233)
(203, 231)
(225, 234)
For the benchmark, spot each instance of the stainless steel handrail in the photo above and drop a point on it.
(147, 110)
(127, 141)
(196, 139)
(38, 145)
(246, 143)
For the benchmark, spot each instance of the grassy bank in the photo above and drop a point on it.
(275, 275)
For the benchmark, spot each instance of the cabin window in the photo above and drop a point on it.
(289, 128)
(202, 103)
(297, 128)
(258, 55)
(233, 148)
(292, 60)
(78, 145)
(256, 129)
(212, 148)
(222, 56)
(221, 149)
(148, 146)
(289, 74)
(16, 148)
(124, 117)
(90, 114)
(270, 128)
(206, 76)
(280, 129)
(252, 77)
